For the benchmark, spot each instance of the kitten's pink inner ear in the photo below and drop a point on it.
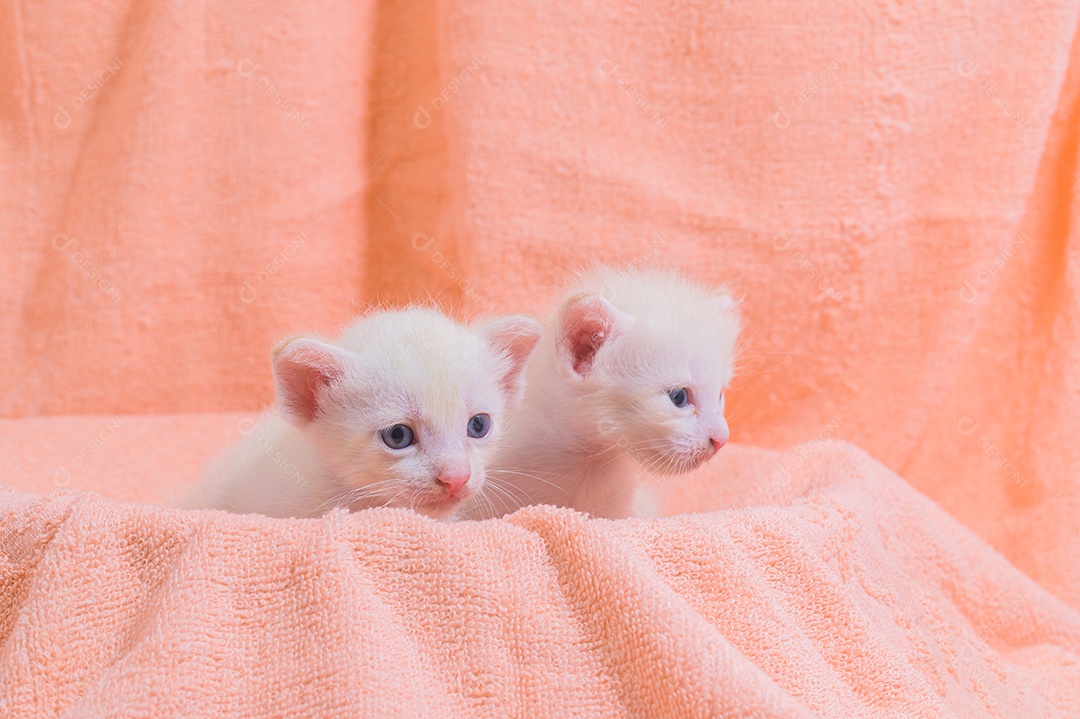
(515, 337)
(303, 370)
(588, 321)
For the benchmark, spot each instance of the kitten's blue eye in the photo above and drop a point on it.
(399, 436)
(679, 396)
(479, 425)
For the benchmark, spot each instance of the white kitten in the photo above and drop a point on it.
(630, 372)
(403, 410)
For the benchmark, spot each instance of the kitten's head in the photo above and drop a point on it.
(407, 406)
(650, 353)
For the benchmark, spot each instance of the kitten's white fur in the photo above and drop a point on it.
(323, 447)
(596, 404)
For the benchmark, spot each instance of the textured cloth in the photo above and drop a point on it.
(836, 592)
(890, 187)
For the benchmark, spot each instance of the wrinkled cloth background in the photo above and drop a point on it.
(891, 189)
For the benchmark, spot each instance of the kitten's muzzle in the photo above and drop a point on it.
(452, 482)
(717, 441)
(718, 437)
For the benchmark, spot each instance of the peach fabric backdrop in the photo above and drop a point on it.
(890, 188)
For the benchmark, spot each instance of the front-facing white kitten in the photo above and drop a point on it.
(404, 409)
(630, 372)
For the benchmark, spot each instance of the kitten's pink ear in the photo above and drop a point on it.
(303, 370)
(516, 337)
(587, 321)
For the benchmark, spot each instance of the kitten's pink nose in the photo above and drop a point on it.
(718, 440)
(453, 481)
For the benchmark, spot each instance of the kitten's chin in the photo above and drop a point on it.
(667, 463)
(438, 506)
(435, 505)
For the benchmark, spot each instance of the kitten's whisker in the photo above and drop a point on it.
(668, 460)
(379, 491)
(651, 441)
(338, 500)
(665, 468)
(510, 500)
(489, 507)
(377, 483)
(363, 501)
(495, 511)
(507, 488)
(616, 458)
(532, 476)
(350, 496)
(353, 495)
(388, 502)
(518, 502)
(504, 497)
(523, 469)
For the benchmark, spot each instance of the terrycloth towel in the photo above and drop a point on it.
(890, 186)
(828, 588)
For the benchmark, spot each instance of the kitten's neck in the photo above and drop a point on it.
(554, 415)
(573, 462)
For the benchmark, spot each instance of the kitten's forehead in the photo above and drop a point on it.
(678, 329)
(664, 354)
(420, 362)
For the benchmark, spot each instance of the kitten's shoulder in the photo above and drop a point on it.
(248, 474)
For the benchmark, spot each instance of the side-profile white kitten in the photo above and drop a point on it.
(630, 372)
(404, 409)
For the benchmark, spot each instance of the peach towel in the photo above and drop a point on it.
(836, 591)
(891, 187)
